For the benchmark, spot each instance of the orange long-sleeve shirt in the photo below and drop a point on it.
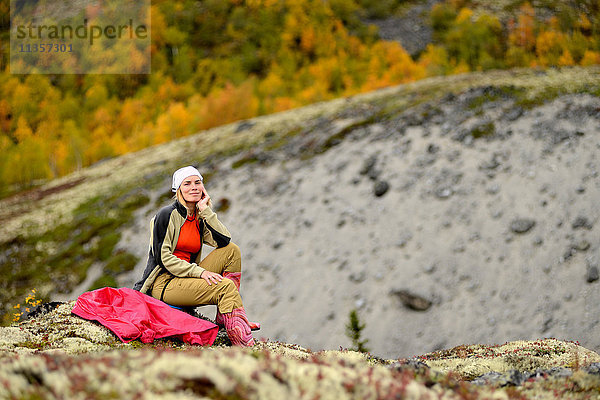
(189, 240)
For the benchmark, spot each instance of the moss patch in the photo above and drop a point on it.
(543, 96)
(483, 130)
(491, 94)
(119, 262)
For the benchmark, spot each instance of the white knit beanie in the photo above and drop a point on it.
(183, 173)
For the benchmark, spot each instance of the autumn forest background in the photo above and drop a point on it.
(218, 61)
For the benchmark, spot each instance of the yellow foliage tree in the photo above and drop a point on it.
(584, 23)
(565, 59)
(22, 103)
(104, 117)
(549, 47)
(58, 158)
(96, 96)
(435, 60)
(5, 116)
(27, 162)
(391, 64)
(99, 146)
(283, 103)
(225, 105)
(522, 34)
(271, 86)
(401, 67)
(23, 131)
(175, 123)
(71, 156)
(168, 92)
(49, 129)
(518, 57)
(590, 58)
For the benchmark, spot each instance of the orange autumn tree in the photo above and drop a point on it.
(522, 33)
(521, 37)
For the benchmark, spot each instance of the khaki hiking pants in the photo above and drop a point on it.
(186, 292)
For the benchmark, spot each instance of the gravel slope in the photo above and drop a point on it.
(499, 234)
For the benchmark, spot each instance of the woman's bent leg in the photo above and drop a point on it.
(186, 292)
(228, 262)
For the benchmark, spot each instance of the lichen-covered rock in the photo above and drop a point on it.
(57, 330)
(221, 373)
(12, 337)
(476, 360)
(59, 355)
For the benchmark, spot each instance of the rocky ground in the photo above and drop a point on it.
(58, 355)
(450, 211)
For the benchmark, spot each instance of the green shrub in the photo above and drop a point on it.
(354, 330)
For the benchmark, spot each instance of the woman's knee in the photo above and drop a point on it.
(234, 249)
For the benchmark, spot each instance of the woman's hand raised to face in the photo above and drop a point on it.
(211, 277)
(203, 203)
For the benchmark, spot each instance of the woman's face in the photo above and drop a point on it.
(192, 189)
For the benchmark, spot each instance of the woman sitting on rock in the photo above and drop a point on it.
(175, 274)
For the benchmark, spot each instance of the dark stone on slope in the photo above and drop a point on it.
(444, 184)
(368, 167)
(514, 113)
(582, 245)
(433, 148)
(411, 300)
(592, 274)
(381, 188)
(582, 222)
(244, 125)
(493, 163)
(358, 277)
(522, 225)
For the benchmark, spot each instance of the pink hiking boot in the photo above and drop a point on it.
(237, 327)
